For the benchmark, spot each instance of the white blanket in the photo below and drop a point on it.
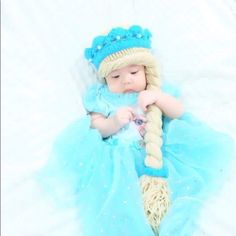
(44, 75)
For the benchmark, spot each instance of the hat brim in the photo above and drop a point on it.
(131, 56)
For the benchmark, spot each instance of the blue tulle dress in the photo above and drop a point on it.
(100, 177)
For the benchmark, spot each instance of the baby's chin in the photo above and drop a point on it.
(129, 91)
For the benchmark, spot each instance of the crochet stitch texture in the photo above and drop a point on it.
(117, 40)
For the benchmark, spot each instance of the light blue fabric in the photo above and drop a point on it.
(117, 40)
(100, 177)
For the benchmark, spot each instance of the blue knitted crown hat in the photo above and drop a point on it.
(118, 44)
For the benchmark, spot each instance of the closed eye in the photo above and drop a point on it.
(134, 72)
(115, 76)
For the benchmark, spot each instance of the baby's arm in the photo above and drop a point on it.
(111, 125)
(169, 105)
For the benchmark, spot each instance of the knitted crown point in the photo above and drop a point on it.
(117, 40)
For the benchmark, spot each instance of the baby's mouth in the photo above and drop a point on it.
(129, 91)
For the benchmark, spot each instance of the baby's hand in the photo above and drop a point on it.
(146, 98)
(123, 116)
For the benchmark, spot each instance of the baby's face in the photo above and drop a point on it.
(127, 79)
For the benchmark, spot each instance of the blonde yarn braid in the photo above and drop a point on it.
(155, 199)
(154, 189)
(153, 134)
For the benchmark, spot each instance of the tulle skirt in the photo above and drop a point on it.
(101, 180)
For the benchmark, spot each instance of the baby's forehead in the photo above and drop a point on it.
(133, 66)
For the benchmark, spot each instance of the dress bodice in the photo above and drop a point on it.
(99, 99)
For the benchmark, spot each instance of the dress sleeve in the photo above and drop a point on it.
(93, 102)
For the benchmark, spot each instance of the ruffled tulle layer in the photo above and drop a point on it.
(101, 180)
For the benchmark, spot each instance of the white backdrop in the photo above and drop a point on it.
(44, 75)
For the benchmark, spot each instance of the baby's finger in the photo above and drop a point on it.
(132, 111)
(143, 106)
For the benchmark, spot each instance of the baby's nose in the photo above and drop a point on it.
(127, 79)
